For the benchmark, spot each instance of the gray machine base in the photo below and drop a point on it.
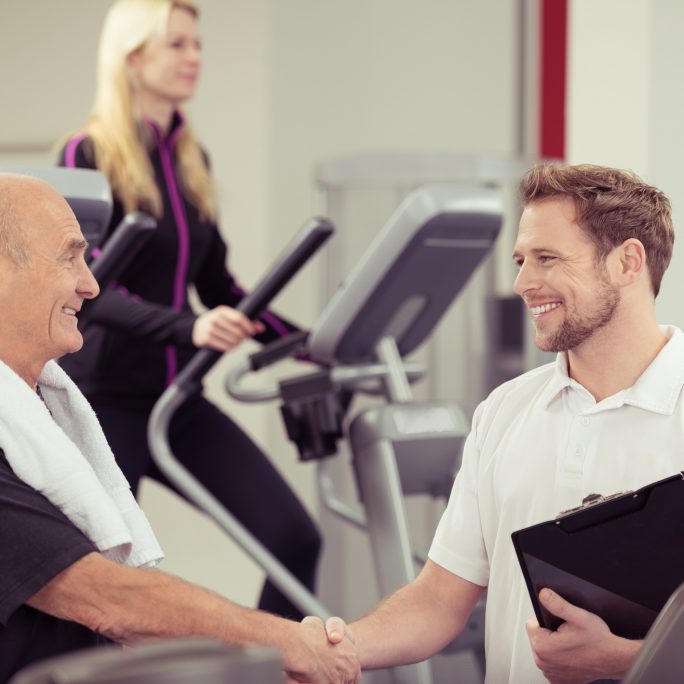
(177, 661)
(403, 449)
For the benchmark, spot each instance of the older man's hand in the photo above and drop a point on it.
(582, 649)
(324, 660)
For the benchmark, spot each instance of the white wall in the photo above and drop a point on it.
(626, 103)
(609, 72)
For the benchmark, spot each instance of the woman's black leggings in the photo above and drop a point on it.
(226, 461)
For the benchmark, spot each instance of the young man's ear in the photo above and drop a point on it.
(631, 260)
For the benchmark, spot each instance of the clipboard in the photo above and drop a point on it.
(620, 557)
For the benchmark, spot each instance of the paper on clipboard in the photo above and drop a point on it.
(620, 557)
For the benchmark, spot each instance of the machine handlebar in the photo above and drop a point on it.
(304, 244)
(126, 241)
(188, 382)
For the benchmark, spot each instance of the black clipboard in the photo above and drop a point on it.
(620, 557)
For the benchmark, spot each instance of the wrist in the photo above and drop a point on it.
(625, 652)
(285, 636)
(361, 644)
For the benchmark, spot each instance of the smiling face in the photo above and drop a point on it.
(567, 291)
(166, 69)
(41, 299)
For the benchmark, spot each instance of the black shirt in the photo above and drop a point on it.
(37, 542)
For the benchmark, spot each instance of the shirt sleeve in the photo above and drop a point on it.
(142, 319)
(458, 544)
(37, 541)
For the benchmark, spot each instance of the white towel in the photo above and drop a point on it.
(65, 456)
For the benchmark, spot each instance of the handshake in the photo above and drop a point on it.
(324, 653)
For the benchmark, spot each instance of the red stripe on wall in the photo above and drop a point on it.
(553, 58)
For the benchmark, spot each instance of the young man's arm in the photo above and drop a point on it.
(416, 621)
(582, 649)
(129, 605)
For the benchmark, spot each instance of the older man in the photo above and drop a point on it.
(607, 416)
(72, 539)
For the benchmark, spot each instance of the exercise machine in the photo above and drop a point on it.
(188, 383)
(386, 308)
(177, 661)
(661, 658)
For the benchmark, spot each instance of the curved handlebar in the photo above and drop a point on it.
(295, 255)
(305, 243)
(348, 377)
(126, 240)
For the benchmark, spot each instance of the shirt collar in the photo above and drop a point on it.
(558, 381)
(657, 388)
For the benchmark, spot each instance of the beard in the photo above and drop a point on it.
(578, 328)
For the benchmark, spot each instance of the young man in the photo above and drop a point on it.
(607, 416)
(72, 538)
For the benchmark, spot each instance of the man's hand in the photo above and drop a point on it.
(582, 649)
(223, 328)
(324, 660)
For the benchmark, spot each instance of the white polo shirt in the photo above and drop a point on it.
(539, 444)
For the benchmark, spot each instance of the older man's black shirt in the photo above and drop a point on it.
(37, 542)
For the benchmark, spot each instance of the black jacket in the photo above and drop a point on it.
(139, 331)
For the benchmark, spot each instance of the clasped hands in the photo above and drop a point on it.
(329, 656)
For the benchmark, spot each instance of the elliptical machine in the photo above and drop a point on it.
(388, 305)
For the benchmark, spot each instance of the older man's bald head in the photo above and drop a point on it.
(20, 195)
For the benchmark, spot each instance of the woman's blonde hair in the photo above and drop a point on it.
(115, 125)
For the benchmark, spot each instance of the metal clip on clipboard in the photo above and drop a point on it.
(592, 500)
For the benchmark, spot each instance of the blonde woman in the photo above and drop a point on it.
(143, 330)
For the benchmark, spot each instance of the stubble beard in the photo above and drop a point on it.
(576, 329)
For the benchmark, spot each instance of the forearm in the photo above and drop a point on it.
(130, 605)
(387, 637)
(417, 621)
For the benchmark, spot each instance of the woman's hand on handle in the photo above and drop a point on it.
(223, 328)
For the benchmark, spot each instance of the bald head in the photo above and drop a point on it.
(44, 278)
(20, 197)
